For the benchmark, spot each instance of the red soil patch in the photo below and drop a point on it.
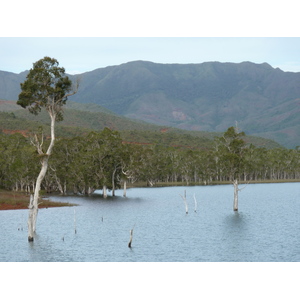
(163, 130)
(8, 131)
(19, 205)
(16, 200)
(4, 206)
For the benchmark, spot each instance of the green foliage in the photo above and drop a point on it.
(17, 161)
(84, 163)
(231, 148)
(46, 86)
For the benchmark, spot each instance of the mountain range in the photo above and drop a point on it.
(211, 96)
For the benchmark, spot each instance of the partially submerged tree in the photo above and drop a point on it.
(231, 146)
(46, 86)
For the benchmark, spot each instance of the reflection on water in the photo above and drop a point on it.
(235, 219)
(235, 237)
(266, 227)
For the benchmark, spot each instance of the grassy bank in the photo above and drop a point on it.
(19, 200)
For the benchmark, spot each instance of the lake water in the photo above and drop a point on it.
(266, 227)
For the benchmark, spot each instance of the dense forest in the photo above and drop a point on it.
(102, 160)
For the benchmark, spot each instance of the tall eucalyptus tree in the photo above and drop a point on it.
(46, 86)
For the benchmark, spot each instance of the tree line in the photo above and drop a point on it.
(101, 160)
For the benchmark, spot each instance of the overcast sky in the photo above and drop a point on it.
(160, 31)
(78, 55)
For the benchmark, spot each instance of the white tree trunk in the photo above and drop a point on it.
(104, 191)
(113, 182)
(33, 205)
(124, 191)
(60, 188)
(31, 219)
(34, 200)
(90, 191)
(236, 195)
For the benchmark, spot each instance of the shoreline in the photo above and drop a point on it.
(10, 200)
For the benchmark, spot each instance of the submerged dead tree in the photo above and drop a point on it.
(46, 86)
(236, 194)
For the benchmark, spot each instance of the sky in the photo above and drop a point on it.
(84, 36)
(83, 54)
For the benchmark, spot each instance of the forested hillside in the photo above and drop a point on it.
(202, 97)
(80, 122)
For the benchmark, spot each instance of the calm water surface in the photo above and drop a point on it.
(266, 228)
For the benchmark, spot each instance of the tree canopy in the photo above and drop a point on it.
(85, 163)
(231, 147)
(46, 86)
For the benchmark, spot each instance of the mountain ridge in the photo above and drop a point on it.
(210, 96)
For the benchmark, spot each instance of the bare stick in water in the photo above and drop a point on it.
(185, 203)
(195, 203)
(131, 235)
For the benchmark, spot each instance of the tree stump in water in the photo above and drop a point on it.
(236, 195)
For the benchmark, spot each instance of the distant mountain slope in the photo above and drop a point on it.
(10, 84)
(210, 96)
(79, 122)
